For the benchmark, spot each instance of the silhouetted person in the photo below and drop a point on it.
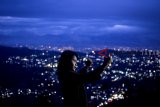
(72, 82)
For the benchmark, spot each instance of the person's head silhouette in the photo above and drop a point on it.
(68, 61)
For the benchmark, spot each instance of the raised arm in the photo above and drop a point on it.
(95, 74)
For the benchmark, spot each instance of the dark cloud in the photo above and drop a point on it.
(88, 31)
(94, 27)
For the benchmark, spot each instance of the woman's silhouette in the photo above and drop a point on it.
(72, 82)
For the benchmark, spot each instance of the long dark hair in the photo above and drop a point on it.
(64, 63)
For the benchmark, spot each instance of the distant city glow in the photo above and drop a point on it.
(135, 66)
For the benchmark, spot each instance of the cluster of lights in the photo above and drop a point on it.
(114, 72)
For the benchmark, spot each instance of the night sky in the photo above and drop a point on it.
(128, 23)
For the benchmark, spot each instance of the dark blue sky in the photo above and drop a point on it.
(104, 22)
